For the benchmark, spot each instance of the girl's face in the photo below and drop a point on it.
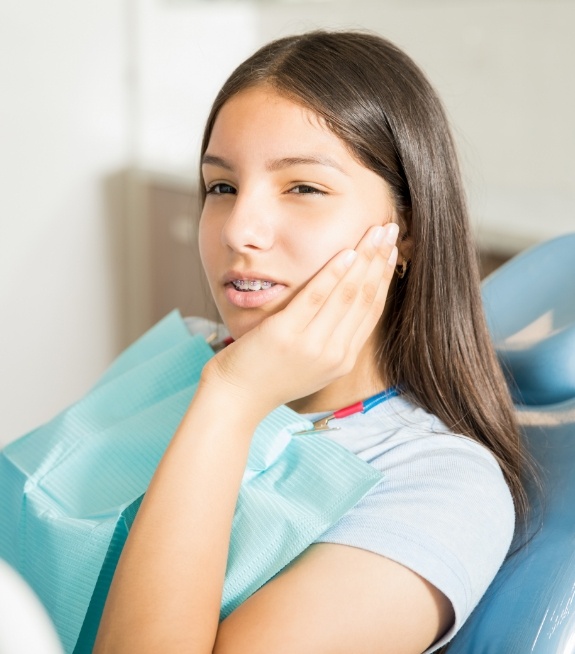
(284, 195)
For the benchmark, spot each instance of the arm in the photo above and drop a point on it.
(166, 593)
(167, 588)
(338, 599)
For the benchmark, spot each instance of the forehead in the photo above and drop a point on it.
(267, 98)
(262, 117)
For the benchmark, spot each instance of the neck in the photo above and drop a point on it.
(362, 382)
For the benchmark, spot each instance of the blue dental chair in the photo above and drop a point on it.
(530, 307)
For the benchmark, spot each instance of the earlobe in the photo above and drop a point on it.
(401, 268)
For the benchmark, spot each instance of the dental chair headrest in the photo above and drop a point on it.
(530, 308)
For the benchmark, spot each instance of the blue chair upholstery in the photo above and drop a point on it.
(530, 606)
(530, 307)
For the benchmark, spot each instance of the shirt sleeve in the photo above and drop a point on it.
(442, 509)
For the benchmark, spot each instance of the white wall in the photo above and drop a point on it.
(185, 51)
(63, 127)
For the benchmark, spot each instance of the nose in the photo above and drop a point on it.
(249, 226)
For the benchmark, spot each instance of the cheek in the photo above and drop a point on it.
(310, 250)
(314, 247)
(207, 245)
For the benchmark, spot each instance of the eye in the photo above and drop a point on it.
(221, 188)
(304, 189)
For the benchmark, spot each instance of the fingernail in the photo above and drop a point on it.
(349, 258)
(377, 236)
(392, 232)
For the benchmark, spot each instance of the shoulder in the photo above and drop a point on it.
(422, 456)
(422, 459)
(417, 453)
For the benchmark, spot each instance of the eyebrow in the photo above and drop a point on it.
(274, 165)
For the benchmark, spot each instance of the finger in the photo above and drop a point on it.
(374, 285)
(362, 287)
(376, 310)
(308, 302)
(358, 324)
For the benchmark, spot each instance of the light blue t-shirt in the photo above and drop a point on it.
(443, 508)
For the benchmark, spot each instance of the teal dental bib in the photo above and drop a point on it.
(70, 489)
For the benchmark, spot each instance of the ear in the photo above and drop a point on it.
(405, 239)
(405, 246)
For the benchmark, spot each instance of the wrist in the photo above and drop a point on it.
(224, 396)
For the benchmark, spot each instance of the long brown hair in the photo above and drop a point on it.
(433, 340)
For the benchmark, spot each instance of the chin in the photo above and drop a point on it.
(237, 326)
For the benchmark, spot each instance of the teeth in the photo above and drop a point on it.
(251, 284)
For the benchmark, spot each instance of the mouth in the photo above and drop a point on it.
(247, 285)
(251, 290)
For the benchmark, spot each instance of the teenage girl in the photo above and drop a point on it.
(335, 238)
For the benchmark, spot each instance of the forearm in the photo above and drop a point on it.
(167, 589)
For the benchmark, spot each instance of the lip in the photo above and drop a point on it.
(251, 299)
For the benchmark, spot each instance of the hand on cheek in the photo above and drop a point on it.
(317, 337)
